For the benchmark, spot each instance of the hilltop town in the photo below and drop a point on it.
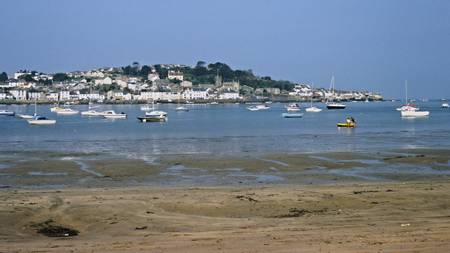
(137, 83)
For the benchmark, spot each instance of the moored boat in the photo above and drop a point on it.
(258, 107)
(294, 107)
(41, 120)
(113, 115)
(66, 111)
(331, 105)
(445, 105)
(7, 113)
(182, 109)
(25, 116)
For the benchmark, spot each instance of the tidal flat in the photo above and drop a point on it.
(28, 170)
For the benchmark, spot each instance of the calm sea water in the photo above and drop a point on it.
(227, 129)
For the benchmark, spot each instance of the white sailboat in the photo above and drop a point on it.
(330, 103)
(153, 115)
(312, 108)
(91, 112)
(407, 106)
(410, 110)
(40, 120)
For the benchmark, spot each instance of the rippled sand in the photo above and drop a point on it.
(380, 217)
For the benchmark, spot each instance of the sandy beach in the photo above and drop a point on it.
(379, 217)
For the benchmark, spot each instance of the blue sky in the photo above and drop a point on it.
(373, 45)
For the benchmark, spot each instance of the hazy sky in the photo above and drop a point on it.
(372, 45)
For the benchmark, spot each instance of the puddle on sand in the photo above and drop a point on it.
(82, 166)
(41, 173)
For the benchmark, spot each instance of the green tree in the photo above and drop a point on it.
(145, 70)
(60, 77)
(3, 77)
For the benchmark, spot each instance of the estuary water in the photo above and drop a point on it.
(228, 129)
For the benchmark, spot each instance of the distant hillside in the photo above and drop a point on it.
(203, 73)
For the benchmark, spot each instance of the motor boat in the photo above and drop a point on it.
(294, 107)
(25, 116)
(156, 114)
(66, 111)
(214, 103)
(41, 120)
(347, 124)
(445, 105)
(313, 109)
(92, 113)
(153, 116)
(292, 115)
(182, 109)
(258, 107)
(7, 113)
(334, 105)
(113, 115)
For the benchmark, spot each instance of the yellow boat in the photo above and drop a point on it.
(351, 125)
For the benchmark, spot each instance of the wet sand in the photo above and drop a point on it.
(377, 217)
(62, 170)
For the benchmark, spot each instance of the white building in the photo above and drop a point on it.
(20, 73)
(160, 96)
(53, 96)
(229, 96)
(105, 81)
(195, 94)
(3, 96)
(153, 77)
(172, 75)
(35, 95)
(64, 95)
(19, 94)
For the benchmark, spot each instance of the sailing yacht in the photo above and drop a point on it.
(409, 110)
(330, 103)
(312, 108)
(40, 120)
(153, 115)
(91, 112)
(407, 106)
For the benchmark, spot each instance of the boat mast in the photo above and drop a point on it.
(406, 92)
(35, 110)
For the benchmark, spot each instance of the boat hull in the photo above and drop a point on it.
(25, 116)
(413, 114)
(42, 122)
(115, 116)
(7, 113)
(336, 107)
(151, 119)
(347, 125)
(313, 109)
(292, 115)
